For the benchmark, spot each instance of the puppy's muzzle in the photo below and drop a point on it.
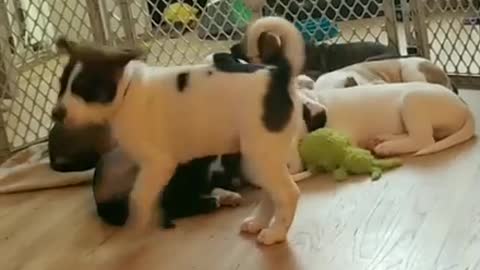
(59, 113)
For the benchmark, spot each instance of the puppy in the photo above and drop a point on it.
(163, 117)
(77, 149)
(410, 69)
(400, 118)
(321, 58)
(191, 191)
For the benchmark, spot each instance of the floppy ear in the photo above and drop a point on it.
(268, 47)
(122, 57)
(64, 45)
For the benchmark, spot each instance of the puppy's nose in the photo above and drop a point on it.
(59, 113)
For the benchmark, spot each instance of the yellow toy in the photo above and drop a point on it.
(181, 13)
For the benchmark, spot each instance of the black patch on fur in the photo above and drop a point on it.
(350, 82)
(226, 63)
(209, 73)
(315, 121)
(277, 102)
(96, 84)
(182, 81)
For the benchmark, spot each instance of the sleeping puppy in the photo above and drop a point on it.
(321, 58)
(191, 191)
(410, 69)
(143, 105)
(400, 118)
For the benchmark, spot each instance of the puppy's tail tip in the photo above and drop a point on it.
(291, 39)
(465, 133)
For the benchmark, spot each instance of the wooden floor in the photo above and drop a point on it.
(423, 216)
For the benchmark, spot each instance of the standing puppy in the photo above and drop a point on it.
(162, 117)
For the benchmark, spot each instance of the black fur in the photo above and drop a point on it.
(182, 81)
(75, 149)
(325, 58)
(314, 122)
(226, 63)
(65, 76)
(277, 103)
(96, 84)
(187, 194)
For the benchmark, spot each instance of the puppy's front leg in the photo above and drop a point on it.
(151, 180)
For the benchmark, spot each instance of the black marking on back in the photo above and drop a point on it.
(227, 63)
(182, 81)
(277, 102)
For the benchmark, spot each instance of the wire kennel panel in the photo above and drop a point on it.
(451, 33)
(31, 66)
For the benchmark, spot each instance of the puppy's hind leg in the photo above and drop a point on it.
(272, 175)
(418, 127)
(149, 185)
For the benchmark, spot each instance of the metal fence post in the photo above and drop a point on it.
(127, 21)
(7, 74)
(391, 23)
(96, 21)
(420, 27)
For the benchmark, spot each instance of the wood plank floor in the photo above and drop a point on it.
(422, 216)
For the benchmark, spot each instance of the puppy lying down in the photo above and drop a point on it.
(398, 118)
(408, 69)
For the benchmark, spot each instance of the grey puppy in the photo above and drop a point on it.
(321, 58)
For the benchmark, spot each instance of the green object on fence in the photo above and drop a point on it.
(241, 15)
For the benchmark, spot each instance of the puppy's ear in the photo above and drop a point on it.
(269, 47)
(64, 45)
(126, 55)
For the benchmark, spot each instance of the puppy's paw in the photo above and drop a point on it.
(371, 143)
(232, 199)
(384, 149)
(270, 236)
(252, 225)
(226, 197)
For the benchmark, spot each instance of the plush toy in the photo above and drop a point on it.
(181, 13)
(326, 150)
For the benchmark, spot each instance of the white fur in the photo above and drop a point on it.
(160, 127)
(401, 118)
(375, 72)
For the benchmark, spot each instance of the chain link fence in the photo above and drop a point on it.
(453, 34)
(180, 32)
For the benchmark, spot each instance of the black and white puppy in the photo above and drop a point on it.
(321, 58)
(162, 117)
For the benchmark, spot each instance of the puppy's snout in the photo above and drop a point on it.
(59, 113)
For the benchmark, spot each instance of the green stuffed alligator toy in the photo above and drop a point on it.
(326, 150)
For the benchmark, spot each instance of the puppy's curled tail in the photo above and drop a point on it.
(462, 135)
(292, 43)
